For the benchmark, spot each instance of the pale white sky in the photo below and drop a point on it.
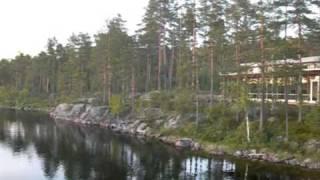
(27, 24)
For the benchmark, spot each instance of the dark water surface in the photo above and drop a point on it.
(33, 147)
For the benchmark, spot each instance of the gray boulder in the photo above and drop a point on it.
(292, 162)
(77, 110)
(82, 113)
(312, 145)
(62, 112)
(196, 146)
(172, 123)
(141, 129)
(93, 101)
(185, 143)
(94, 114)
(238, 153)
(315, 165)
(132, 126)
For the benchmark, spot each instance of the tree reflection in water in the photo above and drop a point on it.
(95, 153)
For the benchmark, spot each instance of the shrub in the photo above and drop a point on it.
(183, 101)
(116, 105)
(22, 98)
(313, 120)
(162, 100)
(8, 96)
(219, 122)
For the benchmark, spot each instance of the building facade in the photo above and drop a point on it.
(276, 72)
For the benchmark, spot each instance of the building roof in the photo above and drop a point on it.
(254, 68)
(304, 60)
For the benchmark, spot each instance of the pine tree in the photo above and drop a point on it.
(153, 34)
(239, 16)
(84, 58)
(213, 30)
(298, 14)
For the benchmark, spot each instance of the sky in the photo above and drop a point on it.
(26, 25)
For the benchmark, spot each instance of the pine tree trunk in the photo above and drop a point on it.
(274, 84)
(300, 96)
(159, 65)
(81, 80)
(109, 77)
(133, 89)
(286, 103)
(238, 65)
(40, 84)
(193, 73)
(300, 71)
(105, 84)
(286, 78)
(263, 93)
(48, 85)
(211, 74)
(160, 46)
(171, 66)
(165, 79)
(148, 71)
(196, 71)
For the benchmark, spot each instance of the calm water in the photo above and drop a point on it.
(32, 147)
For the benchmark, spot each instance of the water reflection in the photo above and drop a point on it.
(49, 150)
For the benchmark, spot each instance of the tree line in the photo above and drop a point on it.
(180, 44)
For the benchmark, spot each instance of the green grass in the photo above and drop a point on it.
(220, 128)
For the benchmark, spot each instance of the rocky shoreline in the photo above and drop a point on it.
(46, 110)
(88, 114)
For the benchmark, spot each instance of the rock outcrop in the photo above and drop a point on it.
(184, 143)
(85, 111)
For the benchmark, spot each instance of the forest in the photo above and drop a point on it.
(179, 51)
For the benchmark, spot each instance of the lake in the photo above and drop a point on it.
(34, 147)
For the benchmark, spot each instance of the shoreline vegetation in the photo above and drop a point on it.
(167, 78)
(45, 110)
(176, 127)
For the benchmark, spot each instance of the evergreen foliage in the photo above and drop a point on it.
(179, 50)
